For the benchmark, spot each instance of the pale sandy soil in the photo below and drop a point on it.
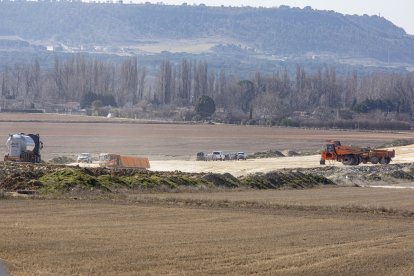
(404, 154)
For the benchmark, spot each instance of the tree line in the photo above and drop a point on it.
(277, 95)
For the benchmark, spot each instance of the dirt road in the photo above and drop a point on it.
(404, 154)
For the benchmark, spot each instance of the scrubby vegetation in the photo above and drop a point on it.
(73, 179)
(52, 180)
(61, 160)
(283, 180)
(293, 30)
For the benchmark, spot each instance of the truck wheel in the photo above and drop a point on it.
(355, 160)
(374, 160)
(322, 162)
(348, 160)
(385, 160)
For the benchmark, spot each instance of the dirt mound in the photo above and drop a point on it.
(285, 180)
(391, 173)
(397, 143)
(266, 154)
(46, 178)
(22, 176)
(62, 160)
(290, 153)
(222, 180)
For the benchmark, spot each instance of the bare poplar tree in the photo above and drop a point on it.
(165, 82)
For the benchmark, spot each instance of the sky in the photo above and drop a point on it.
(400, 12)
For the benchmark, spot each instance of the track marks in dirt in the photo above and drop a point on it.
(263, 207)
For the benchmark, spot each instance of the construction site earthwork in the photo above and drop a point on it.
(82, 195)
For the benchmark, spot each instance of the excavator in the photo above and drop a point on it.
(352, 156)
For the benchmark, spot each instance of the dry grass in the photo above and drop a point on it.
(327, 197)
(189, 236)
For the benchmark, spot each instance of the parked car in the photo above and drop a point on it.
(84, 157)
(218, 155)
(232, 156)
(201, 156)
(241, 156)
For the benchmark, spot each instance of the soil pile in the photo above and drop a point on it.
(62, 179)
(285, 179)
(266, 154)
(291, 153)
(46, 178)
(391, 173)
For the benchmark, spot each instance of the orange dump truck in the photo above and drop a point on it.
(111, 160)
(350, 155)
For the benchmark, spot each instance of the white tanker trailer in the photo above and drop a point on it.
(23, 148)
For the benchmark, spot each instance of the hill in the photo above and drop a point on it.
(262, 34)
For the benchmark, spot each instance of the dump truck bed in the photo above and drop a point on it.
(134, 162)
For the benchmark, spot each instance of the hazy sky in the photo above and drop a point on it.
(400, 12)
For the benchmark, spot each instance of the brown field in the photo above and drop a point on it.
(136, 236)
(323, 231)
(69, 135)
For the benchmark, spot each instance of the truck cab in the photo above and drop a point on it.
(108, 160)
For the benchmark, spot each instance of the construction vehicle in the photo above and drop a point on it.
(116, 161)
(351, 155)
(23, 148)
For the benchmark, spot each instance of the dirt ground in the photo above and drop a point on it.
(174, 146)
(404, 154)
(69, 135)
(324, 231)
(131, 237)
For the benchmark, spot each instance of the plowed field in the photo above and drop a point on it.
(322, 231)
(191, 236)
(70, 135)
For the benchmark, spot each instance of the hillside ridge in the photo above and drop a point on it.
(146, 28)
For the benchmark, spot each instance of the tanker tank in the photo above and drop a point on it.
(23, 148)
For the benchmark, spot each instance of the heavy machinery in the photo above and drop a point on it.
(111, 160)
(350, 155)
(23, 148)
